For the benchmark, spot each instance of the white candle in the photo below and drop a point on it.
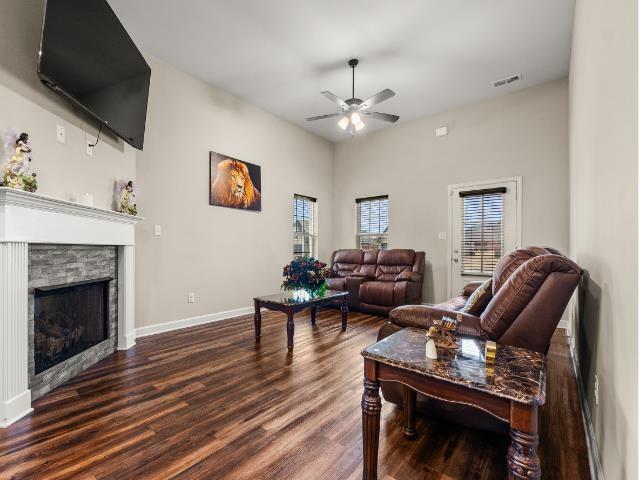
(87, 200)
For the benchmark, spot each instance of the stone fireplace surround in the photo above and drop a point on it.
(31, 219)
(51, 265)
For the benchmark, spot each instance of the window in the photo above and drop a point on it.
(305, 235)
(373, 222)
(482, 230)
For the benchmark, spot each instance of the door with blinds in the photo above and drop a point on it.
(484, 226)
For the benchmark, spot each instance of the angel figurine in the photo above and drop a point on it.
(128, 199)
(15, 174)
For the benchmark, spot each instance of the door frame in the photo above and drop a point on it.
(477, 183)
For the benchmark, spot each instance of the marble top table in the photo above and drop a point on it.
(511, 389)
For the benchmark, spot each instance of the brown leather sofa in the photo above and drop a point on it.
(530, 290)
(378, 280)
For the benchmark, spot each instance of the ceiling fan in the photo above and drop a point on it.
(353, 109)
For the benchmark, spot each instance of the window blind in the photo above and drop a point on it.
(372, 222)
(482, 230)
(305, 237)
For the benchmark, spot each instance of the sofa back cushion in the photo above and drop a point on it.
(346, 261)
(520, 289)
(510, 262)
(393, 262)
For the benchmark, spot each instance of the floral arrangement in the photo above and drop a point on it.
(16, 172)
(305, 273)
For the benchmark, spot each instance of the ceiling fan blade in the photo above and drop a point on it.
(320, 117)
(377, 98)
(385, 117)
(337, 100)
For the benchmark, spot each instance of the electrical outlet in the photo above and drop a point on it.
(61, 134)
(596, 387)
(192, 297)
(157, 230)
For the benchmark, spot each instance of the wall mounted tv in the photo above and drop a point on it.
(87, 56)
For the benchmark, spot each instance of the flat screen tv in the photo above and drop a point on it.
(87, 56)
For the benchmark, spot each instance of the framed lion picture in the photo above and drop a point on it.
(234, 183)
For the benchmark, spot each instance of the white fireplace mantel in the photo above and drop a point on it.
(31, 218)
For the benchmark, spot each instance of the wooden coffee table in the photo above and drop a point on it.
(290, 303)
(511, 390)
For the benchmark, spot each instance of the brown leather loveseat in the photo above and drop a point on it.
(520, 305)
(378, 280)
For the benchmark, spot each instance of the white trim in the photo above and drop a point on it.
(192, 321)
(595, 464)
(452, 187)
(20, 198)
(564, 324)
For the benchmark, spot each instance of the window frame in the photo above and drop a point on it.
(360, 236)
(312, 235)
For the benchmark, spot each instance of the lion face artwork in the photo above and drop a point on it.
(233, 183)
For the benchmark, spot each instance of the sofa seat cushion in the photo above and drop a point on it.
(377, 293)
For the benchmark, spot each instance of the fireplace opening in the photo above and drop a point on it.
(69, 319)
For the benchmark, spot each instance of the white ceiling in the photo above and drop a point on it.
(280, 54)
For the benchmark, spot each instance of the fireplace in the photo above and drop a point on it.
(69, 319)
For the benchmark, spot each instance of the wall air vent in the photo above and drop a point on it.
(507, 81)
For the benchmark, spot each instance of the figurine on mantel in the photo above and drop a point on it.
(16, 172)
(128, 199)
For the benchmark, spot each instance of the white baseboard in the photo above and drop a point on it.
(595, 463)
(191, 322)
(15, 408)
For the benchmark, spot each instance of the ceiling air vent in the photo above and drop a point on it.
(507, 81)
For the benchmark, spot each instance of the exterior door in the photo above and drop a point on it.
(484, 225)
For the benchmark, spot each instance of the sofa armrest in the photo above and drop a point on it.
(470, 287)
(408, 277)
(422, 316)
(353, 287)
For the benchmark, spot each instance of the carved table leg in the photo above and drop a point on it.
(290, 328)
(522, 457)
(371, 406)
(314, 308)
(409, 405)
(345, 310)
(257, 319)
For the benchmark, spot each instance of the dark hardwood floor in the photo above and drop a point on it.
(208, 403)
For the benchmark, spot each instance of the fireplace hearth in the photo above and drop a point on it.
(69, 319)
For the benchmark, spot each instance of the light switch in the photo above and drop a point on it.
(61, 134)
(157, 230)
(442, 235)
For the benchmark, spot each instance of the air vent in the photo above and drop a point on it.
(507, 81)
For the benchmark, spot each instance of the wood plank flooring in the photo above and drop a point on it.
(208, 403)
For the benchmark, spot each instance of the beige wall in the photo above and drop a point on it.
(519, 134)
(64, 170)
(225, 256)
(603, 183)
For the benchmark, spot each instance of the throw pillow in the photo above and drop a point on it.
(479, 299)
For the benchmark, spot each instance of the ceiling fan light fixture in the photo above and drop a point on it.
(355, 118)
(343, 123)
(359, 126)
